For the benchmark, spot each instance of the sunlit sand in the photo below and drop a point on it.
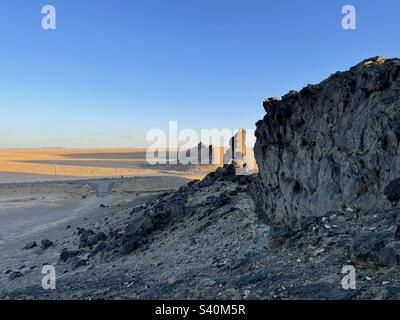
(19, 165)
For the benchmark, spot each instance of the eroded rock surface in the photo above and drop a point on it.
(332, 146)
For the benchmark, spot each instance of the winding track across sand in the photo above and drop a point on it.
(102, 187)
(18, 222)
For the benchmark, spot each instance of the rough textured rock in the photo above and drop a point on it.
(76, 263)
(89, 238)
(45, 244)
(68, 254)
(30, 245)
(375, 249)
(14, 275)
(332, 146)
(241, 155)
(172, 208)
(392, 190)
(154, 218)
(237, 147)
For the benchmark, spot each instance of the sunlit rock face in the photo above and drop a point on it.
(241, 154)
(332, 146)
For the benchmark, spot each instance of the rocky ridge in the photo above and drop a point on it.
(334, 146)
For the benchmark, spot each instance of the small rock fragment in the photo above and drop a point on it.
(30, 245)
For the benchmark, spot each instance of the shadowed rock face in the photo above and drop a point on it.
(332, 146)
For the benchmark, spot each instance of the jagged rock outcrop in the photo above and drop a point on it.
(169, 209)
(332, 146)
(241, 155)
(237, 147)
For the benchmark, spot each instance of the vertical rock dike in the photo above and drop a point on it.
(332, 146)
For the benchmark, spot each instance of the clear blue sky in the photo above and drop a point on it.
(115, 68)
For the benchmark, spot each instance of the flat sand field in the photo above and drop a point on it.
(41, 186)
(26, 206)
(63, 163)
(33, 165)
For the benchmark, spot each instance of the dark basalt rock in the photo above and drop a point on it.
(392, 190)
(76, 263)
(332, 146)
(226, 170)
(89, 238)
(374, 249)
(99, 248)
(67, 255)
(322, 291)
(30, 245)
(14, 275)
(154, 218)
(279, 235)
(45, 244)
(217, 202)
(379, 247)
(170, 208)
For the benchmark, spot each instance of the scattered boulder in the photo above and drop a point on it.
(279, 236)
(80, 231)
(137, 209)
(67, 255)
(397, 233)
(101, 246)
(15, 274)
(171, 280)
(76, 263)
(217, 202)
(45, 244)
(30, 245)
(226, 170)
(375, 249)
(392, 190)
(89, 238)
(154, 218)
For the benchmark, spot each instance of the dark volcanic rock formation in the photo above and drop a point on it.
(170, 209)
(332, 146)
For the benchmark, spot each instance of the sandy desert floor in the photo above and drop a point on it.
(52, 210)
(33, 165)
(61, 163)
(49, 193)
(41, 186)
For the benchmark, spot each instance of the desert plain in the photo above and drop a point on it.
(45, 192)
